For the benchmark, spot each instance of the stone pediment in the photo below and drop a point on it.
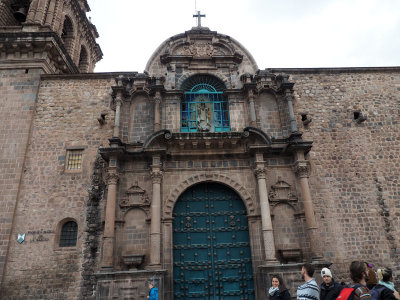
(282, 191)
(135, 196)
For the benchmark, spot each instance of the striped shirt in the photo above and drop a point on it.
(361, 292)
(308, 291)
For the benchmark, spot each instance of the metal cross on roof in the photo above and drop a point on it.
(199, 16)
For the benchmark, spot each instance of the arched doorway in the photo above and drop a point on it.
(212, 256)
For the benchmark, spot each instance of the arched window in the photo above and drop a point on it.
(67, 34)
(69, 234)
(83, 60)
(204, 108)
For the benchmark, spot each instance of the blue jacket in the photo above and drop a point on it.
(153, 294)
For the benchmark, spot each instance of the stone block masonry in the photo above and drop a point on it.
(18, 91)
(355, 167)
(65, 118)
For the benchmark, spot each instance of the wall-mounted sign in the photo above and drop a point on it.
(21, 237)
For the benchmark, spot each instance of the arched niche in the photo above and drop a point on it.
(83, 60)
(68, 35)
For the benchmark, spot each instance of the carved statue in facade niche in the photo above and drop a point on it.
(203, 122)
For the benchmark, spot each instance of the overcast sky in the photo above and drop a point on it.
(281, 34)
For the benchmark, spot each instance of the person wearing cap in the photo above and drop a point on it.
(329, 289)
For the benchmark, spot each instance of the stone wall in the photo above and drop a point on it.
(65, 118)
(18, 90)
(354, 177)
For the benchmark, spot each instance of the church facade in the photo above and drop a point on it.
(204, 174)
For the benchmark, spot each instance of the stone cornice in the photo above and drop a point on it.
(80, 76)
(33, 42)
(333, 70)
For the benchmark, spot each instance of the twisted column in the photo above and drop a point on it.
(267, 230)
(155, 227)
(112, 178)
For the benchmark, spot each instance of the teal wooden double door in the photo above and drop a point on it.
(211, 247)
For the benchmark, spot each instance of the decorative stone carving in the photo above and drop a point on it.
(135, 197)
(112, 178)
(156, 176)
(260, 173)
(302, 168)
(133, 261)
(281, 191)
(199, 49)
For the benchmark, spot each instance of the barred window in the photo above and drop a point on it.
(69, 233)
(74, 159)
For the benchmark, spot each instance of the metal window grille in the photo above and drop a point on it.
(69, 233)
(204, 96)
(74, 159)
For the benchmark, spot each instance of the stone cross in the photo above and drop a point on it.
(199, 16)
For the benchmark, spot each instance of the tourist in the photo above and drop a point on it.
(372, 280)
(278, 290)
(309, 290)
(359, 275)
(330, 289)
(153, 292)
(385, 290)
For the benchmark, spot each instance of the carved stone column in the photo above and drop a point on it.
(112, 178)
(32, 11)
(118, 102)
(58, 22)
(302, 170)
(157, 115)
(289, 99)
(267, 230)
(248, 88)
(41, 9)
(253, 120)
(155, 227)
(50, 13)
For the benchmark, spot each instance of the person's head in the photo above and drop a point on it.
(358, 271)
(385, 274)
(151, 285)
(372, 280)
(277, 281)
(326, 275)
(307, 270)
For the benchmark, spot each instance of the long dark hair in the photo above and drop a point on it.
(282, 285)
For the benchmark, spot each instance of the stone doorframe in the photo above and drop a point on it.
(254, 221)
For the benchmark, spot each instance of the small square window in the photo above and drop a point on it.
(74, 159)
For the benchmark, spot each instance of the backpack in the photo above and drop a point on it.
(346, 294)
(376, 292)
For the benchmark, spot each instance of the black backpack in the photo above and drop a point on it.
(376, 292)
